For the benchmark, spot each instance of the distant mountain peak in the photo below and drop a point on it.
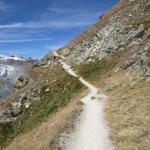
(11, 57)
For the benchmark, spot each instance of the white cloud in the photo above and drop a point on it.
(13, 25)
(53, 20)
(57, 24)
(4, 6)
(76, 18)
(24, 40)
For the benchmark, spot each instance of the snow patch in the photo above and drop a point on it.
(6, 70)
(13, 57)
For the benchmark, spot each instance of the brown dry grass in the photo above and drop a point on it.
(39, 76)
(128, 113)
(41, 137)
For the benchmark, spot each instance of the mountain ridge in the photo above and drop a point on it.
(114, 55)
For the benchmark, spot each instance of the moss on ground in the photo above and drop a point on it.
(60, 93)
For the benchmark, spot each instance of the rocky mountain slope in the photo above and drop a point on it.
(11, 68)
(113, 54)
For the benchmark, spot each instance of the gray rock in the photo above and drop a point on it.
(23, 96)
(16, 109)
(22, 81)
(127, 64)
(136, 33)
(11, 113)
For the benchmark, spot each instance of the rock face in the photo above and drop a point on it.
(22, 81)
(22, 102)
(124, 28)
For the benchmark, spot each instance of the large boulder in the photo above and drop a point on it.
(22, 81)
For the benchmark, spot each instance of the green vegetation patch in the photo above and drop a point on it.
(98, 69)
(93, 70)
(59, 94)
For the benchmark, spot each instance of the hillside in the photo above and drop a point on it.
(114, 56)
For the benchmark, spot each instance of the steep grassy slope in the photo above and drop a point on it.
(128, 114)
(102, 69)
(127, 109)
(128, 106)
(58, 95)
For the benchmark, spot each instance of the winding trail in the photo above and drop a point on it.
(91, 132)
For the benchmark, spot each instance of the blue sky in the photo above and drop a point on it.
(33, 27)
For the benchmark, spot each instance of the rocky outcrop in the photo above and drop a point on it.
(141, 59)
(114, 32)
(22, 81)
(47, 60)
(11, 113)
(22, 103)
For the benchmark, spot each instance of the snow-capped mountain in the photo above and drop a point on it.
(11, 67)
(12, 57)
